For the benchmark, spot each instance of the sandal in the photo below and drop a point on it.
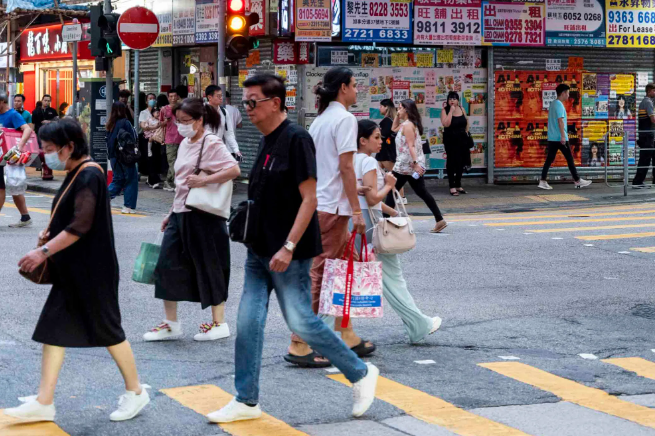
(462, 191)
(308, 361)
(362, 350)
(439, 226)
(454, 194)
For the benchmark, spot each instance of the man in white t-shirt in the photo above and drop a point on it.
(234, 112)
(334, 132)
(214, 96)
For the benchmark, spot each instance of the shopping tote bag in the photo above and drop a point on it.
(146, 261)
(352, 289)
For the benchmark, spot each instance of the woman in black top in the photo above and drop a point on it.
(387, 155)
(455, 140)
(82, 309)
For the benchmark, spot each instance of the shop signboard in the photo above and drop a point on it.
(285, 18)
(630, 23)
(287, 52)
(258, 7)
(513, 24)
(45, 43)
(445, 22)
(164, 11)
(377, 21)
(575, 23)
(207, 21)
(313, 20)
(184, 22)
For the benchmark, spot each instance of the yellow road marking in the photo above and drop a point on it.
(47, 211)
(205, 399)
(623, 236)
(562, 213)
(584, 229)
(642, 367)
(574, 392)
(434, 410)
(11, 427)
(578, 220)
(644, 249)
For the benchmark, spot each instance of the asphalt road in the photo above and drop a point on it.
(521, 296)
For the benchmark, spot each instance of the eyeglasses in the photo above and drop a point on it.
(252, 103)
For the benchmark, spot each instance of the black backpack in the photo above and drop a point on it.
(127, 149)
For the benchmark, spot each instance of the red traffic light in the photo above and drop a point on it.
(236, 6)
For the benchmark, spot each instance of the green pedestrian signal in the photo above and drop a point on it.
(109, 50)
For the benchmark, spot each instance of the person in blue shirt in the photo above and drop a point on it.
(10, 119)
(558, 139)
(19, 102)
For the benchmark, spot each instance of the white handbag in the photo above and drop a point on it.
(215, 198)
(393, 235)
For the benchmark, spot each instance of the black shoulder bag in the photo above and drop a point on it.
(244, 219)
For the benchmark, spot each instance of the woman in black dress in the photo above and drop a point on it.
(456, 141)
(82, 308)
(387, 156)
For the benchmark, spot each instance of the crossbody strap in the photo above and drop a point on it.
(54, 210)
(202, 147)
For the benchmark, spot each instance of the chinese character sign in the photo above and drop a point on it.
(575, 23)
(164, 11)
(258, 7)
(513, 24)
(207, 21)
(631, 23)
(313, 20)
(377, 20)
(184, 22)
(437, 24)
(45, 43)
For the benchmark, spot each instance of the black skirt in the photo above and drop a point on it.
(194, 263)
(388, 152)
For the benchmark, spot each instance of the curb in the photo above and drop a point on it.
(42, 189)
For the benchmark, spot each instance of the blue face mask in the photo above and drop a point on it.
(152, 103)
(53, 162)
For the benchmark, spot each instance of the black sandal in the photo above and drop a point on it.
(308, 361)
(455, 194)
(462, 191)
(362, 350)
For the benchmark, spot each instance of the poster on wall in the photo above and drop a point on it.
(622, 99)
(184, 22)
(575, 23)
(513, 24)
(618, 130)
(163, 9)
(593, 143)
(377, 21)
(313, 20)
(630, 23)
(440, 22)
(207, 21)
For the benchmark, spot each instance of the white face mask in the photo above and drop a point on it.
(186, 130)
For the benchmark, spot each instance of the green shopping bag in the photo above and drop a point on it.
(146, 261)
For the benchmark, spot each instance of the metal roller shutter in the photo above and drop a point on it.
(148, 70)
(595, 60)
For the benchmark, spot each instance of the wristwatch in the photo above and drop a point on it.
(290, 246)
(45, 250)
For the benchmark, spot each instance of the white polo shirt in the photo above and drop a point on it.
(334, 133)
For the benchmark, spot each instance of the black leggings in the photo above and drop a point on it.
(553, 148)
(419, 188)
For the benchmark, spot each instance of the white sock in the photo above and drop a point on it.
(175, 325)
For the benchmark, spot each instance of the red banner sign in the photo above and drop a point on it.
(258, 7)
(45, 44)
(286, 52)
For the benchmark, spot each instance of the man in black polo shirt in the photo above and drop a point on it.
(288, 237)
(646, 138)
(47, 114)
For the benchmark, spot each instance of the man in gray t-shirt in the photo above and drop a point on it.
(646, 137)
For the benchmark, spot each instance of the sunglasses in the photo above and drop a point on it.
(252, 103)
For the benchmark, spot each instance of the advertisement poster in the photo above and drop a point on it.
(206, 21)
(184, 22)
(593, 143)
(313, 20)
(513, 24)
(439, 22)
(575, 23)
(164, 11)
(617, 131)
(377, 21)
(622, 101)
(630, 23)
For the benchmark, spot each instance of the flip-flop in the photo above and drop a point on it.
(308, 361)
(362, 350)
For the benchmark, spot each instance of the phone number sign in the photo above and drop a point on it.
(630, 23)
(438, 23)
(513, 24)
(377, 21)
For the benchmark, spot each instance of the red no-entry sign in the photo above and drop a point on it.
(138, 28)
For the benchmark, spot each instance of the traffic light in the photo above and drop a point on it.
(238, 23)
(95, 12)
(110, 44)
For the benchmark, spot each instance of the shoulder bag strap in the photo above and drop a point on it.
(54, 211)
(224, 117)
(202, 147)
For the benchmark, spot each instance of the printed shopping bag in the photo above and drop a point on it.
(352, 289)
(146, 261)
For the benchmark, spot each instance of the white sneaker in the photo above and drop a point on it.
(130, 404)
(32, 411)
(167, 330)
(20, 224)
(404, 200)
(436, 323)
(544, 185)
(364, 391)
(235, 411)
(582, 183)
(211, 332)
(28, 399)
(127, 211)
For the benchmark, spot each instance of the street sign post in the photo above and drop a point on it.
(71, 32)
(138, 28)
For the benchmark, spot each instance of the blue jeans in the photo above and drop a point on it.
(293, 289)
(127, 178)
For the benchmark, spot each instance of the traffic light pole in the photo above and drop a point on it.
(220, 65)
(135, 96)
(109, 88)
